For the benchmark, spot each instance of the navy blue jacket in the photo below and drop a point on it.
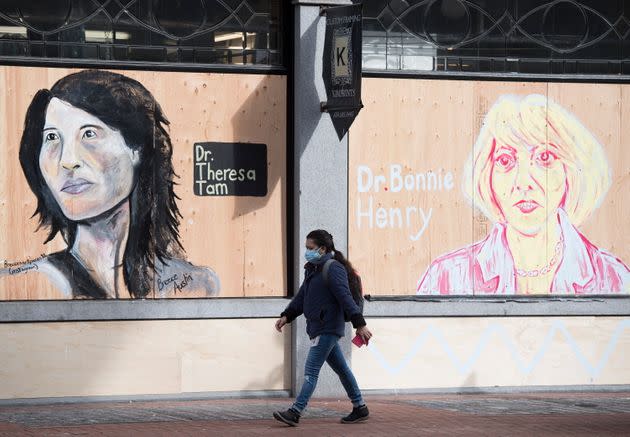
(323, 306)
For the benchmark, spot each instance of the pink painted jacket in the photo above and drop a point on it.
(487, 267)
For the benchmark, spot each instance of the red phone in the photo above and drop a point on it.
(358, 341)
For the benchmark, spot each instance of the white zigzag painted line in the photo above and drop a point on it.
(464, 367)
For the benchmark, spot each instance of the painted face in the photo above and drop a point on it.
(529, 184)
(85, 163)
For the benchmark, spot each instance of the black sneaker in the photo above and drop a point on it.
(290, 417)
(359, 414)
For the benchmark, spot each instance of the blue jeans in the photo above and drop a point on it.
(327, 349)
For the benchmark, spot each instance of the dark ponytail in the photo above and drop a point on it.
(324, 239)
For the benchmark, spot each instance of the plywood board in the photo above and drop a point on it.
(141, 357)
(228, 234)
(414, 353)
(411, 128)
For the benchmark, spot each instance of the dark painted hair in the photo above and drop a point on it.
(124, 105)
(324, 239)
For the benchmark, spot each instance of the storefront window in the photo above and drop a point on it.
(237, 32)
(511, 36)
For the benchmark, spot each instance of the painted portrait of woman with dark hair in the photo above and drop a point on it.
(97, 155)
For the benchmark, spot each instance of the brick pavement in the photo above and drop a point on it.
(557, 414)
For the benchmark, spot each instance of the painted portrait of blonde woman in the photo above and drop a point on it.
(537, 173)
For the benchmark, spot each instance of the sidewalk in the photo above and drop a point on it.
(539, 414)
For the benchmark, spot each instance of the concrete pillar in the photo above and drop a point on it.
(321, 174)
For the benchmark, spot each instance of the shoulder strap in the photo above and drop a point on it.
(325, 269)
(80, 280)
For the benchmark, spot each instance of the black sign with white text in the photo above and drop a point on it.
(230, 169)
(342, 65)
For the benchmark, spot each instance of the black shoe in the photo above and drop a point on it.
(290, 417)
(359, 414)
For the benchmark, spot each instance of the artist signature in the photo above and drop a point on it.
(178, 285)
(183, 284)
(23, 269)
(165, 282)
(21, 263)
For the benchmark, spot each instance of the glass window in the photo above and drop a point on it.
(242, 32)
(512, 36)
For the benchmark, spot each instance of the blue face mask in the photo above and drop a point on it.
(312, 254)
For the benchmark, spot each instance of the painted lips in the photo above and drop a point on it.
(76, 186)
(527, 206)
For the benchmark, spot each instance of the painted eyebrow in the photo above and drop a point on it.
(550, 146)
(507, 148)
(545, 146)
(90, 125)
(82, 127)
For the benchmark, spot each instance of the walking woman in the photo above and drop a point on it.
(324, 303)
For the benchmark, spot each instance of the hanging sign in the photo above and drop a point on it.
(342, 65)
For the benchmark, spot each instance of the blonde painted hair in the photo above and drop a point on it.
(536, 120)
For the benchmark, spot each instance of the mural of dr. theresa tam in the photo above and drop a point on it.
(97, 155)
(537, 173)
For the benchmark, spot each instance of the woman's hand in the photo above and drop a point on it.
(280, 323)
(364, 333)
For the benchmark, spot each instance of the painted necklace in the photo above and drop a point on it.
(547, 268)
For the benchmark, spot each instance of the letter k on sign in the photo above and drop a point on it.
(342, 43)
